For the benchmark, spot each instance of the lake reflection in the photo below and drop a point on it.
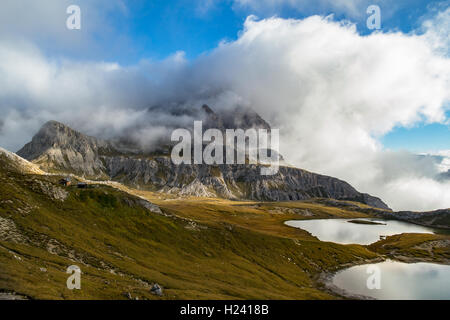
(399, 281)
(342, 231)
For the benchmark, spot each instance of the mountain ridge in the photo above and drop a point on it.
(59, 148)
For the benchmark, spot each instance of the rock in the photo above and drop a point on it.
(18, 164)
(12, 296)
(10, 233)
(52, 191)
(128, 295)
(437, 219)
(150, 206)
(156, 290)
(444, 176)
(244, 118)
(63, 149)
(56, 146)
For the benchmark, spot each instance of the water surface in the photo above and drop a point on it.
(398, 281)
(344, 232)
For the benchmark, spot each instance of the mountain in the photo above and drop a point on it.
(243, 118)
(124, 248)
(13, 162)
(238, 117)
(58, 148)
(437, 218)
(444, 176)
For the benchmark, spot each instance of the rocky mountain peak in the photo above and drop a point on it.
(58, 148)
(444, 176)
(207, 109)
(56, 135)
(54, 131)
(244, 118)
(60, 135)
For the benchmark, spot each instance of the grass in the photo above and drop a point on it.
(199, 248)
(234, 250)
(415, 246)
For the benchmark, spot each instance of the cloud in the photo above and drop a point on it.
(437, 30)
(355, 9)
(332, 93)
(45, 23)
(99, 98)
(205, 6)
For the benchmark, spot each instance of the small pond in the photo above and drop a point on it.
(397, 281)
(345, 232)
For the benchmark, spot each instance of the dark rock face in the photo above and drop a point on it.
(243, 118)
(57, 147)
(233, 181)
(436, 219)
(444, 176)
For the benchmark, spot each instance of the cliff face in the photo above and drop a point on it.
(437, 218)
(232, 181)
(444, 176)
(58, 148)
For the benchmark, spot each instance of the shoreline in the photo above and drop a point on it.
(324, 280)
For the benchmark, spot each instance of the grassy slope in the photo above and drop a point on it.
(415, 246)
(240, 252)
(203, 249)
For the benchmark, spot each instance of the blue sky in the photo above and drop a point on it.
(130, 31)
(162, 27)
(155, 29)
(423, 138)
(331, 91)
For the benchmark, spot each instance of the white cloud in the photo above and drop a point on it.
(437, 30)
(332, 92)
(413, 193)
(351, 8)
(97, 97)
(45, 23)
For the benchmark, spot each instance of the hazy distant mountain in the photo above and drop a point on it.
(58, 148)
(444, 175)
(238, 117)
(437, 218)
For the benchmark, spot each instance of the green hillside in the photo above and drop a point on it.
(194, 249)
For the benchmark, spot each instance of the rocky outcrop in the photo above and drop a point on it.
(18, 164)
(12, 296)
(231, 181)
(150, 206)
(9, 232)
(436, 219)
(57, 147)
(244, 118)
(444, 176)
(50, 190)
(156, 290)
